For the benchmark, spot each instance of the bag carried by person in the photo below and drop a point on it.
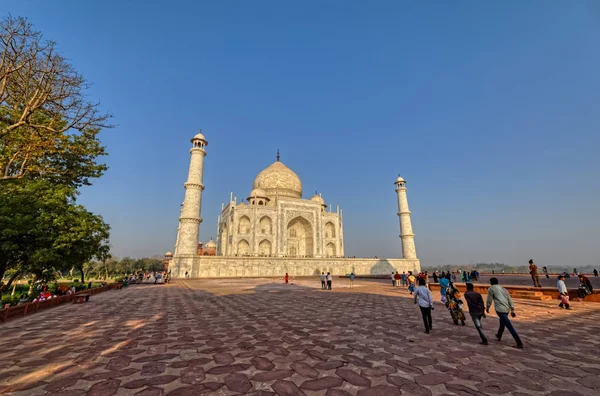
(585, 290)
(564, 299)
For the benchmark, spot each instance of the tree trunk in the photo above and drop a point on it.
(14, 289)
(33, 280)
(82, 276)
(10, 281)
(106, 270)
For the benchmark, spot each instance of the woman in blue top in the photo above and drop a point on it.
(444, 283)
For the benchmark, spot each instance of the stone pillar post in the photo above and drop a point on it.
(406, 232)
(189, 221)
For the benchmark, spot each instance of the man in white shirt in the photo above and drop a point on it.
(329, 279)
(425, 300)
(503, 305)
(563, 292)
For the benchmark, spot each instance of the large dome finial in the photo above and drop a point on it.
(278, 156)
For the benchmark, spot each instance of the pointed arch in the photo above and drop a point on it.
(266, 225)
(300, 237)
(330, 249)
(243, 247)
(264, 248)
(244, 225)
(329, 230)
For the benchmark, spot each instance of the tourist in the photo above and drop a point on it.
(503, 305)
(23, 299)
(404, 279)
(89, 285)
(585, 287)
(444, 283)
(352, 280)
(533, 270)
(476, 310)
(397, 278)
(287, 278)
(595, 272)
(329, 279)
(453, 277)
(563, 294)
(186, 275)
(435, 277)
(393, 279)
(425, 301)
(545, 271)
(323, 285)
(454, 304)
(411, 282)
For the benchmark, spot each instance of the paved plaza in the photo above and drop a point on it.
(261, 337)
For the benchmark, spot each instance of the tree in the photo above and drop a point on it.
(81, 236)
(43, 231)
(48, 127)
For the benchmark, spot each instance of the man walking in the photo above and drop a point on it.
(352, 280)
(563, 292)
(329, 279)
(404, 279)
(397, 278)
(476, 310)
(393, 279)
(503, 305)
(423, 297)
(533, 270)
(323, 281)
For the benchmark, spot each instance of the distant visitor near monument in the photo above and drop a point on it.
(276, 231)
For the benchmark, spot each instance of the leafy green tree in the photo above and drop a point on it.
(43, 231)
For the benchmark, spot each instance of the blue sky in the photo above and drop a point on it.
(490, 111)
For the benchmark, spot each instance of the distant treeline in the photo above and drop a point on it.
(498, 267)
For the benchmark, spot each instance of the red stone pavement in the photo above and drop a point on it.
(261, 337)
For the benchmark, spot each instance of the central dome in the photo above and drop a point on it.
(278, 179)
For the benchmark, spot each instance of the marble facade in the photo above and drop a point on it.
(275, 231)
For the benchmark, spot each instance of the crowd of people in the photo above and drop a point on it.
(498, 296)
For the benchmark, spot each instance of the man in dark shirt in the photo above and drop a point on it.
(533, 270)
(476, 310)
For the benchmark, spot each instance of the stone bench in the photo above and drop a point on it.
(81, 298)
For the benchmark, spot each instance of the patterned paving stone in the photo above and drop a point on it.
(257, 337)
(105, 388)
(286, 388)
(321, 383)
(237, 383)
(353, 377)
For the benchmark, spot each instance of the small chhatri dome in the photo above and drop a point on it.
(169, 253)
(258, 193)
(211, 244)
(278, 179)
(318, 198)
(399, 179)
(199, 136)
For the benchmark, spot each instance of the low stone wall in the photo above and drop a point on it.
(218, 266)
(548, 291)
(31, 308)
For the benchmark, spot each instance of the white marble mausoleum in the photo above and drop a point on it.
(275, 231)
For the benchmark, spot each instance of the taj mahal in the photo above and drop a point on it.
(275, 230)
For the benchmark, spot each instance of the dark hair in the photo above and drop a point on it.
(531, 261)
(421, 282)
(469, 286)
(561, 277)
(493, 281)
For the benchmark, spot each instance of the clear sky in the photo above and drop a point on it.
(489, 110)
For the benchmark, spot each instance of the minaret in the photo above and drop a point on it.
(406, 231)
(189, 221)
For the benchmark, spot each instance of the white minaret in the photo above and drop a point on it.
(406, 231)
(189, 221)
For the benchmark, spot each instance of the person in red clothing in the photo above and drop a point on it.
(287, 277)
(397, 278)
